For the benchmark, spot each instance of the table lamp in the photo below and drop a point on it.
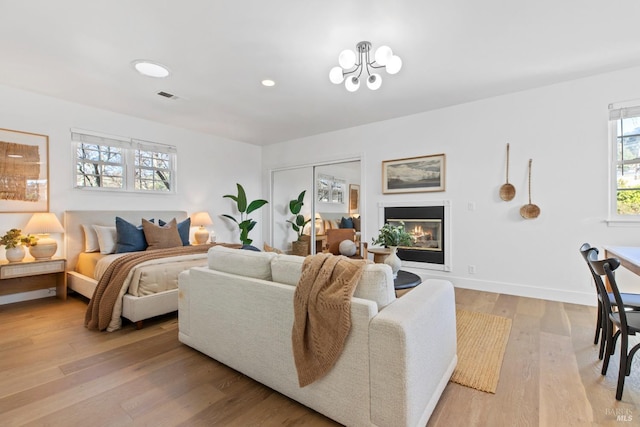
(201, 219)
(41, 224)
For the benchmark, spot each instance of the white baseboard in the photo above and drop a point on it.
(516, 289)
(26, 296)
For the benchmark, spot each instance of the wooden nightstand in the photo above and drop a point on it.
(31, 275)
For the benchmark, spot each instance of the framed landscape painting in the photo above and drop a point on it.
(24, 171)
(413, 174)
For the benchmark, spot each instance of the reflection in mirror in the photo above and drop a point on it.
(340, 205)
(337, 195)
(287, 185)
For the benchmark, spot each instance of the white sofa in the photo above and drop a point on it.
(397, 360)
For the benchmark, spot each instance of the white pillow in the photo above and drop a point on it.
(91, 243)
(106, 238)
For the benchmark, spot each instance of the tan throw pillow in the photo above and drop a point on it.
(356, 223)
(268, 248)
(163, 237)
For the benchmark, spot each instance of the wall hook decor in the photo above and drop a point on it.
(529, 211)
(507, 191)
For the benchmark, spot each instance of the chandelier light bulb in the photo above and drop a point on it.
(352, 84)
(336, 76)
(347, 59)
(394, 65)
(374, 82)
(383, 55)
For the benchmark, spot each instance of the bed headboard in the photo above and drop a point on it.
(74, 235)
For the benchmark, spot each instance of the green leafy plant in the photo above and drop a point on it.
(14, 237)
(245, 224)
(298, 223)
(393, 236)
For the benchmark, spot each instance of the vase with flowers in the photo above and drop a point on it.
(391, 237)
(14, 243)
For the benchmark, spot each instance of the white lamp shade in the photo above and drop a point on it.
(336, 76)
(43, 223)
(394, 65)
(201, 219)
(374, 81)
(383, 55)
(347, 59)
(352, 84)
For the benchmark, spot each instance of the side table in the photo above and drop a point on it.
(379, 254)
(32, 275)
(406, 280)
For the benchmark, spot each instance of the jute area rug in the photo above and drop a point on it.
(482, 339)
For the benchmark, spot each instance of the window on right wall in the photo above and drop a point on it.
(624, 120)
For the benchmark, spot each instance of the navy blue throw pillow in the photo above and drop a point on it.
(183, 230)
(250, 248)
(346, 223)
(129, 237)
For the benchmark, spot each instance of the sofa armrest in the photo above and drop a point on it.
(412, 354)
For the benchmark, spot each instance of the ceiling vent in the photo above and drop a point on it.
(167, 95)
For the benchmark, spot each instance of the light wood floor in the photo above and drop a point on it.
(54, 372)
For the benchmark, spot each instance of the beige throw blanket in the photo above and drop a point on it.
(322, 313)
(100, 309)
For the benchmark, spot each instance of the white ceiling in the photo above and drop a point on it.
(453, 51)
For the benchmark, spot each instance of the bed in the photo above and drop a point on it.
(152, 290)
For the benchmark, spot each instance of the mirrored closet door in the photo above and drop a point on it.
(333, 191)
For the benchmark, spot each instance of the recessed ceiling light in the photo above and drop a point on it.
(14, 156)
(268, 83)
(150, 68)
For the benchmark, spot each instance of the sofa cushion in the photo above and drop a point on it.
(243, 263)
(286, 269)
(376, 283)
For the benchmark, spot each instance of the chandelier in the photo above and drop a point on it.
(351, 71)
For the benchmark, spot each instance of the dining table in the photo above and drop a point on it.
(629, 257)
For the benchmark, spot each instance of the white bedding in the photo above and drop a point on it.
(151, 277)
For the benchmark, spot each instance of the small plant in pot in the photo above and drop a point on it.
(298, 247)
(245, 224)
(391, 237)
(14, 243)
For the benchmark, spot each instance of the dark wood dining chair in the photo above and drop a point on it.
(627, 322)
(631, 300)
(588, 252)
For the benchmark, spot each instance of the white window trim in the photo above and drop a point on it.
(129, 145)
(616, 111)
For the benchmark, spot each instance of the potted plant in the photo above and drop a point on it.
(245, 224)
(391, 237)
(14, 242)
(298, 247)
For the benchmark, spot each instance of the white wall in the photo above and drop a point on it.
(563, 128)
(208, 166)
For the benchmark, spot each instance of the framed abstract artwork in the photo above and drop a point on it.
(414, 174)
(24, 171)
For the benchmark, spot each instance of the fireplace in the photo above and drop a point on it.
(429, 225)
